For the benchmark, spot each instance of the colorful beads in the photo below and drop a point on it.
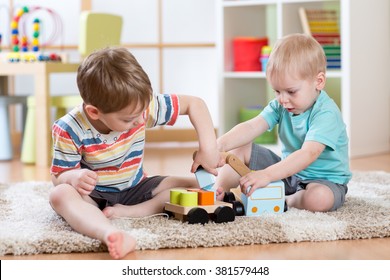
(35, 41)
(22, 44)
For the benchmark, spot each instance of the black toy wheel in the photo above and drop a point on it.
(197, 216)
(224, 214)
(238, 208)
(169, 213)
(285, 206)
(229, 197)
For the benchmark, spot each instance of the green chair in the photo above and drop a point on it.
(97, 31)
(61, 105)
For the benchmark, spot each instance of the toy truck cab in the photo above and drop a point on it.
(270, 199)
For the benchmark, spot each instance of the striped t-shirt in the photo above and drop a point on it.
(116, 157)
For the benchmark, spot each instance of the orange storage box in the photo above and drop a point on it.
(247, 52)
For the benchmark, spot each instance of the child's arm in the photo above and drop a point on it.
(291, 165)
(83, 180)
(242, 134)
(199, 115)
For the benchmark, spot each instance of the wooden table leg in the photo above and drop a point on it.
(42, 121)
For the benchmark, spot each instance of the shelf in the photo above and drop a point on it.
(352, 87)
(261, 75)
(334, 74)
(244, 75)
(241, 3)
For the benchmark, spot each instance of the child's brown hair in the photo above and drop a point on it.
(111, 79)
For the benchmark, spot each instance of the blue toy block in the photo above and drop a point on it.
(269, 199)
(205, 179)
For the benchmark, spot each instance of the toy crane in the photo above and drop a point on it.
(199, 206)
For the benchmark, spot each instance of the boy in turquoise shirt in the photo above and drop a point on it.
(314, 163)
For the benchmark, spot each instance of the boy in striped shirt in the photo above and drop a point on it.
(97, 166)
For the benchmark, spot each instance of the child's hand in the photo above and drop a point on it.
(84, 181)
(209, 160)
(252, 181)
(222, 159)
(220, 193)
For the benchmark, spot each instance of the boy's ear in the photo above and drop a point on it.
(92, 111)
(320, 81)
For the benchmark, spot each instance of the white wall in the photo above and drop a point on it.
(370, 94)
(186, 70)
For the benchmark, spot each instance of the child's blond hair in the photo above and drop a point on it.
(297, 55)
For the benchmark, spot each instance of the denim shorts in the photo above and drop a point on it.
(261, 158)
(131, 196)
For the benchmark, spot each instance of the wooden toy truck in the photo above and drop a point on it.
(198, 207)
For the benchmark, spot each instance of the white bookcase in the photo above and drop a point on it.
(359, 87)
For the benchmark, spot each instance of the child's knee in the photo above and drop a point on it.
(243, 152)
(58, 194)
(320, 199)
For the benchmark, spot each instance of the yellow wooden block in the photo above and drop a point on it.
(188, 199)
(174, 196)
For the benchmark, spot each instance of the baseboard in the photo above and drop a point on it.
(171, 135)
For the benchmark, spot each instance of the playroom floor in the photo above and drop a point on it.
(176, 160)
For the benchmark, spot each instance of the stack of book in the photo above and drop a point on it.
(323, 25)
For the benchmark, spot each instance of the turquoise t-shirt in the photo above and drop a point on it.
(322, 123)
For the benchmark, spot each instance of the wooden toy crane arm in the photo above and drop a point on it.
(234, 162)
(237, 165)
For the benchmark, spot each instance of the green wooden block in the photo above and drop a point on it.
(174, 196)
(189, 199)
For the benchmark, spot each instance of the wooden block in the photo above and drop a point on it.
(205, 180)
(204, 197)
(175, 196)
(188, 199)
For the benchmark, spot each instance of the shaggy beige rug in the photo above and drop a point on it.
(28, 225)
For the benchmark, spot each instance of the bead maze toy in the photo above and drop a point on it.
(25, 50)
(270, 199)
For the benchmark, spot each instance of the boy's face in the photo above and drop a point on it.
(295, 95)
(125, 119)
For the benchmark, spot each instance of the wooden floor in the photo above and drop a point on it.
(176, 160)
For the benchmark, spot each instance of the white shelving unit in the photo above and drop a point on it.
(360, 86)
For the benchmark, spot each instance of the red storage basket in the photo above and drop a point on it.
(247, 52)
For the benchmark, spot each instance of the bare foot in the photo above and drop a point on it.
(119, 244)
